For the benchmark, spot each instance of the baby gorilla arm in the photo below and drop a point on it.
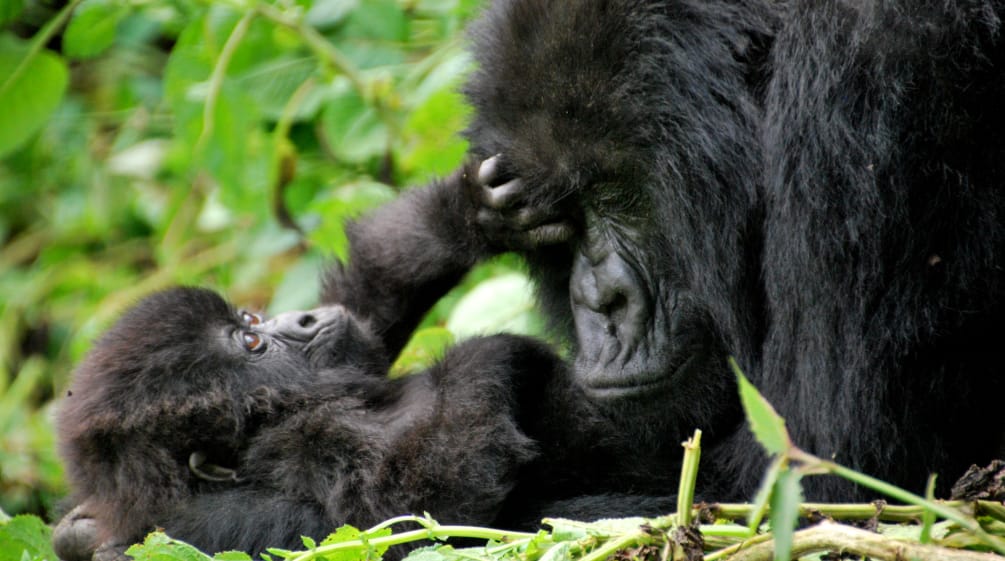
(407, 254)
(448, 444)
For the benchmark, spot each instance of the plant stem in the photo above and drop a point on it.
(688, 477)
(815, 463)
(861, 511)
(430, 533)
(829, 536)
(38, 42)
(216, 78)
(613, 546)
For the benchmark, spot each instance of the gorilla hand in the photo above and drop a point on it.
(511, 217)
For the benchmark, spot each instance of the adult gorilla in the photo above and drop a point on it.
(816, 188)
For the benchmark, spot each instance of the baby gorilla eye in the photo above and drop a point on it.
(249, 318)
(253, 341)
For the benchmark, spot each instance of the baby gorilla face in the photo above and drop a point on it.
(315, 341)
(189, 342)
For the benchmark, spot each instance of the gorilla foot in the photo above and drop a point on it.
(75, 538)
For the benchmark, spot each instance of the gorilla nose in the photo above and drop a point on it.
(302, 326)
(601, 287)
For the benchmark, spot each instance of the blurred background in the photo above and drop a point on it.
(148, 143)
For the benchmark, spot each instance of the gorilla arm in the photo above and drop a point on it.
(449, 446)
(407, 254)
(404, 256)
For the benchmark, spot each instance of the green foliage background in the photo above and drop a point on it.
(146, 143)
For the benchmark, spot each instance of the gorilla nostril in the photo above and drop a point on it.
(307, 320)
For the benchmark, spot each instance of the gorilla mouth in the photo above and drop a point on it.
(627, 355)
(628, 372)
(621, 326)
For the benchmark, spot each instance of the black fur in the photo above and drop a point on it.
(814, 188)
(313, 431)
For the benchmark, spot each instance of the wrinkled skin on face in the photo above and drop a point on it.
(638, 328)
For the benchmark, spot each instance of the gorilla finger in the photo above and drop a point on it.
(528, 218)
(503, 196)
(492, 221)
(549, 234)
(489, 170)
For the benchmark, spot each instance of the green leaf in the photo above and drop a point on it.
(349, 533)
(763, 496)
(345, 533)
(300, 286)
(353, 128)
(159, 547)
(431, 553)
(346, 202)
(232, 556)
(323, 14)
(430, 138)
(422, 350)
(10, 9)
(563, 529)
(32, 87)
(378, 19)
(26, 537)
(785, 500)
(558, 552)
(503, 303)
(92, 29)
(273, 82)
(766, 424)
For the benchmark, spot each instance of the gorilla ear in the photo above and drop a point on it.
(210, 472)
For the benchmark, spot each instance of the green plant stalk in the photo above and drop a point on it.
(688, 477)
(928, 518)
(724, 553)
(216, 78)
(829, 536)
(38, 42)
(428, 533)
(762, 501)
(815, 463)
(613, 546)
(863, 511)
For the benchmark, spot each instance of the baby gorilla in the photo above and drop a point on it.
(230, 431)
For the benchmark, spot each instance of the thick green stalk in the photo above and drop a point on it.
(688, 477)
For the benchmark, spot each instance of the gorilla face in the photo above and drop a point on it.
(639, 330)
(312, 342)
(185, 342)
(643, 138)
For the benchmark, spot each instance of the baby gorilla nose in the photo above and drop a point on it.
(300, 325)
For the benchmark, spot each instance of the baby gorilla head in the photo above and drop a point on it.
(184, 379)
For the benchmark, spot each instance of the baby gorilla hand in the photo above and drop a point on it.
(511, 217)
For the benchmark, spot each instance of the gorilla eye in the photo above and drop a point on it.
(253, 341)
(250, 319)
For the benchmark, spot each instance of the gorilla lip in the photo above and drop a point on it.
(602, 379)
